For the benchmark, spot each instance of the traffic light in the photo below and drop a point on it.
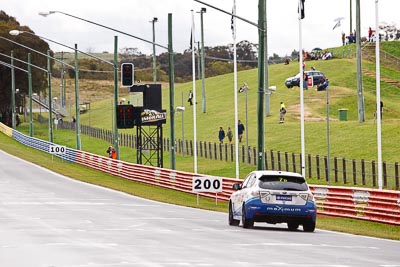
(125, 116)
(137, 116)
(127, 70)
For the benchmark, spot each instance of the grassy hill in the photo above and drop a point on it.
(349, 139)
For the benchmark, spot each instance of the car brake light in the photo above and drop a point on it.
(307, 196)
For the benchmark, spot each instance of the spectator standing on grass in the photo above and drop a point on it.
(221, 135)
(190, 98)
(305, 81)
(343, 38)
(240, 130)
(381, 105)
(229, 134)
(18, 120)
(370, 34)
(282, 112)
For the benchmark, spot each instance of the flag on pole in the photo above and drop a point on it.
(191, 41)
(233, 21)
(300, 9)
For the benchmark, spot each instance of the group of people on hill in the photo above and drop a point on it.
(317, 55)
(229, 134)
(351, 38)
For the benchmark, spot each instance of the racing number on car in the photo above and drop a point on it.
(207, 184)
(57, 149)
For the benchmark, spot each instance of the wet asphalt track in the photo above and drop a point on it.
(47, 220)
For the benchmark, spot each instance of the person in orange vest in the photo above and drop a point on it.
(113, 153)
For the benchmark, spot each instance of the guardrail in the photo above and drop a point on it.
(342, 170)
(358, 203)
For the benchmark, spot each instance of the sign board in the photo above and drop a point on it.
(207, 184)
(56, 149)
(153, 117)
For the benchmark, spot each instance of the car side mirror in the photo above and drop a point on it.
(236, 186)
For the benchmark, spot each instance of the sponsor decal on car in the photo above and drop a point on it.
(283, 209)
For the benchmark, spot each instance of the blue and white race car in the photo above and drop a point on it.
(273, 197)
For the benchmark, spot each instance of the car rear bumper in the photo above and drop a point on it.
(278, 213)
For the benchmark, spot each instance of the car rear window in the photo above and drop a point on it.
(288, 183)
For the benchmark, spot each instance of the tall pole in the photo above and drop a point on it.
(235, 91)
(260, 104)
(378, 95)
(64, 87)
(51, 137)
(30, 96)
(62, 83)
(303, 148)
(194, 99)
(116, 143)
(77, 107)
(360, 96)
(266, 91)
(171, 93)
(154, 52)
(203, 87)
(247, 129)
(198, 61)
(328, 139)
(12, 91)
(351, 16)
(183, 128)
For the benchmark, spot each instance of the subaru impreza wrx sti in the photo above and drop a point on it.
(273, 197)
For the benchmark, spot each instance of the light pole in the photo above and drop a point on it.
(328, 139)
(378, 96)
(261, 81)
(171, 72)
(360, 95)
(50, 98)
(30, 96)
(203, 87)
(12, 90)
(154, 51)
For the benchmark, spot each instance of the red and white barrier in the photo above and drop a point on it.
(358, 203)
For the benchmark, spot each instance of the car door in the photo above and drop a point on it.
(242, 195)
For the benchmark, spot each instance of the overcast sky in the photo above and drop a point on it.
(134, 16)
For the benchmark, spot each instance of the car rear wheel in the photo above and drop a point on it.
(232, 221)
(309, 226)
(247, 223)
(292, 226)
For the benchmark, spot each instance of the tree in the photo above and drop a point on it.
(39, 77)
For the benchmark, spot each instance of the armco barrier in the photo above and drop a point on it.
(359, 203)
